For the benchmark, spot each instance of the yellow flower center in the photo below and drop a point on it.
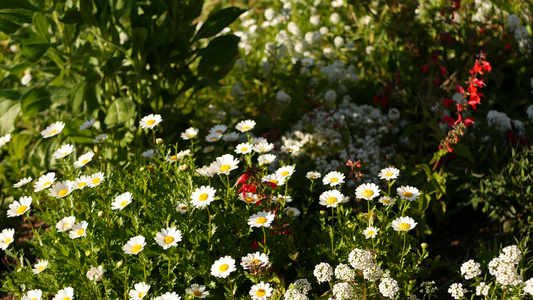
(141, 294)
(262, 149)
(215, 138)
(203, 197)
(285, 173)
(219, 131)
(290, 212)
(169, 240)
(150, 122)
(53, 131)
(255, 261)
(385, 201)
(96, 180)
(8, 240)
(368, 193)
(190, 135)
(280, 199)
(47, 184)
(197, 293)
(331, 200)
(136, 248)
(289, 150)
(33, 299)
(40, 268)
(66, 298)
(173, 157)
(223, 268)
(408, 194)
(65, 225)
(183, 207)
(404, 226)
(21, 209)
(274, 181)
(84, 161)
(246, 128)
(334, 179)
(65, 153)
(244, 149)
(80, 232)
(249, 199)
(62, 192)
(389, 174)
(261, 220)
(123, 203)
(81, 184)
(260, 293)
(370, 233)
(224, 168)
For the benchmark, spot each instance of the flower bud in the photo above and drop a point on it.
(158, 141)
(87, 253)
(100, 213)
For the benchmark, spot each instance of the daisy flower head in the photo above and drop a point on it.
(291, 211)
(246, 125)
(20, 207)
(149, 153)
(266, 159)
(313, 175)
(168, 296)
(169, 237)
(6, 238)
(290, 148)
(196, 290)
(40, 266)
(33, 295)
(370, 232)
(275, 179)
(182, 207)
(87, 124)
(285, 171)
(61, 189)
(223, 267)
(282, 199)
(150, 121)
(261, 291)
(231, 136)
(248, 197)
(213, 137)
(121, 201)
(53, 129)
(367, 191)
(44, 182)
(189, 133)
(65, 224)
(22, 182)
(81, 182)
(65, 294)
(243, 148)
(408, 192)
(386, 200)
(389, 174)
(333, 178)
(5, 139)
(218, 129)
(63, 151)
(261, 219)
(83, 160)
(78, 230)
(263, 147)
(331, 198)
(403, 224)
(100, 138)
(254, 260)
(96, 179)
(203, 196)
(140, 290)
(224, 164)
(134, 245)
(96, 274)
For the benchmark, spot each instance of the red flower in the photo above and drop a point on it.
(443, 70)
(469, 122)
(447, 102)
(486, 66)
(507, 47)
(424, 68)
(477, 68)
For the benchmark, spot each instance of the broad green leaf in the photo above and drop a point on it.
(464, 151)
(16, 69)
(216, 22)
(138, 38)
(8, 26)
(218, 57)
(17, 4)
(41, 25)
(33, 45)
(19, 144)
(120, 111)
(72, 16)
(35, 101)
(10, 110)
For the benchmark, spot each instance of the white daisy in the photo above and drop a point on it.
(246, 125)
(275, 179)
(243, 148)
(261, 219)
(224, 164)
(96, 274)
(313, 175)
(84, 159)
(150, 121)
(20, 207)
(389, 173)
(65, 224)
(266, 159)
(230, 136)
(182, 207)
(134, 245)
(7, 236)
(100, 138)
(252, 260)
(61, 189)
(213, 137)
(263, 147)
(5, 139)
(203, 196)
(248, 197)
(168, 296)
(189, 133)
(87, 124)
(385, 200)
(178, 156)
(333, 178)
(370, 232)
(282, 199)
(196, 290)
(63, 151)
(81, 182)
(403, 224)
(169, 237)
(96, 179)
(40, 266)
(331, 198)
(65, 294)
(258, 140)
(121, 201)
(408, 192)
(291, 211)
(218, 129)
(22, 182)
(78, 230)
(33, 295)
(367, 191)
(140, 291)
(53, 129)
(285, 171)
(206, 171)
(261, 291)
(223, 267)
(44, 182)
(290, 148)
(149, 153)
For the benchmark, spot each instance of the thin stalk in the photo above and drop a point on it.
(264, 240)
(209, 227)
(231, 288)
(36, 234)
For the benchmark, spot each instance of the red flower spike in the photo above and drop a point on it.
(244, 178)
(459, 89)
(477, 68)
(469, 122)
(447, 102)
(443, 70)
(486, 66)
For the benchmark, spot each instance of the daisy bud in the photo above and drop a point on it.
(158, 141)
(100, 213)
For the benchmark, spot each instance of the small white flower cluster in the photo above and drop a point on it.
(343, 290)
(470, 269)
(344, 272)
(499, 120)
(361, 259)
(521, 34)
(528, 288)
(482, 289)
(323, 272)
(428, 287)
(503, 267)
(388, 287)
(457, 291)
(298, 290)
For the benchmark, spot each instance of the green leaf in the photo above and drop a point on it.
(218, 57)
(16, 69)
(8, 26)
(72, 16)
(218, 21)
(17, 4)
(41, 25)
(33, 45)
(35, 101)
(120, 111)
(10, 110)
(464, 151)
(138, 38)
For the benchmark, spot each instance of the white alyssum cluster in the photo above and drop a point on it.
(323, 272)
(343, 290)
(457, 291)
(504, 267)
(388, 287)
(470, 269)
(528, 288)
(299, 290)
(344, 272)
(499, 120)
(520, 33)
(482, 289)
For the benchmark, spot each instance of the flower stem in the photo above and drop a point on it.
(36, 234)
(231, 288)
(209, 228)
(264, 239)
